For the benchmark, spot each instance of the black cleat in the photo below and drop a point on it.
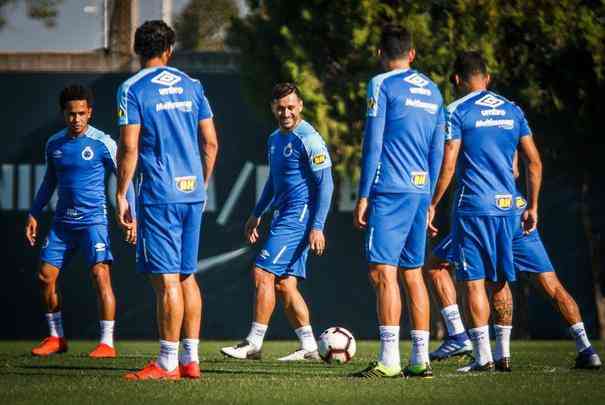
(476, 368)
(588, 360)
(503, 365)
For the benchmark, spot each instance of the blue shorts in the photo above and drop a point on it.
(483, 247)
(529, 253)
(396, 233)
(168, 238)
(64, 240)
(285, 251)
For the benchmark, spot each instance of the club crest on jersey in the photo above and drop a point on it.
(416, 80)
(520, 202)
(288, 150)
(186, 184)
(489, 101)
(418, 179)
(87, 153)
(57, 154)
(319, 159)
(166, 78)
(504, 201)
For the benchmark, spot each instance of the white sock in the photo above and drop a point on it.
(481, 349)
(502, 341)
(453, 321)
(189, 351)
(579, 334)
(389, 346)
(420, 347)
(257, 334)
(168, 358)
(55, 323)
(307, 340)
(107, 332)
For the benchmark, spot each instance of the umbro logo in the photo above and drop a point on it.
(166, 78)
(416, 80)
(489, 101)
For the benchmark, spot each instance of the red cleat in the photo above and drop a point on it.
(50, 345)
(190, 370)
(103, 351)
(153, 372)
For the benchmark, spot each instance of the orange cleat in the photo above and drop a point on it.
(50, 345)
(153, 371)
(190, 370)
(103, 351)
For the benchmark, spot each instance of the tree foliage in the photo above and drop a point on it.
(202, 24)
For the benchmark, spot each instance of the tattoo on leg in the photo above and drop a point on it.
(503, 312)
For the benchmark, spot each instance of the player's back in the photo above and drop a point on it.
(168, 105)
(412, 107)
(490, 128)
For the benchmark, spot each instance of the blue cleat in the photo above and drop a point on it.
(457, 345)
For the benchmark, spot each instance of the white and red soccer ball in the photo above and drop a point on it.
(336, 345)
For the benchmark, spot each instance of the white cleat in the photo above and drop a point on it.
(244, 350)
(301, 355)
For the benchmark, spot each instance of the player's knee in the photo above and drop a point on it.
(46, 279)
(382, 279)
(284, 287)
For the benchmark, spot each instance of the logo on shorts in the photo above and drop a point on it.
(520, 202)
(288, 150)
(504, 201)
(100, 247)
(264, 254)
(87, 153)
(166, 78)
(186, 184)
(419, 179)
(57, 154)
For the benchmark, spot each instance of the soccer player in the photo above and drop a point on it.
(166, 125)
(488, 130)
(402, 153)
(299, 192)
(77, 160)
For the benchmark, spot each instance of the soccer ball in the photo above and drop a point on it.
(336, 345)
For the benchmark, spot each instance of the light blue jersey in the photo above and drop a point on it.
(404, 134)
(168, 105)
(490, 128)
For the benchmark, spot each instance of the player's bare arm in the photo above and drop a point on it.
(128, 152)
(208, 147)
(533, 165)
(251, 229)
(448, 168)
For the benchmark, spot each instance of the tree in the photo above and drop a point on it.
(43, 10)
(202, 24)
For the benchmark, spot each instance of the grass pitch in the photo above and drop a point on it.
(541, 374)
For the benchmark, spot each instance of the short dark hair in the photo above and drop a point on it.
(395, 41)
(75, 92)
(281, 90)
(469, 64)
(153, 38)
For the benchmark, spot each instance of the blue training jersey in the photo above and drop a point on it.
(297, 161)
(168, 105)
(489, 127)
(76, 167)
(404, 134)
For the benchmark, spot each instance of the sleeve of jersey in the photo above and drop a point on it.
(205, 111)
(436, 150)
(373, 136)
(323, 197)
(265, 198)
(46, 190)
(128, 108)
(111, 163)
(524, 129)
(454, 126)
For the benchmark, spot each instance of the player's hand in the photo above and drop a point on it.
(317, 241)
(251, 229)
(125, 219)
(130, 235)
(432, 229)
(360, 214)
(529, 221)
(31, 230)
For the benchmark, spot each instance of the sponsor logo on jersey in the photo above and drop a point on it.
(489, 101)
(420, 90)
(166, 78)
(520, 202)
(419, 179)
(288, 150)
(57, 154)
(504, 124)
(504, 201)
(264, 254)
(186, 184)
(165, 91)
(492, 112)
(184, 106)
(319, 159)
(87, 153)
(100, 247)
(416, 80)
(431, 108)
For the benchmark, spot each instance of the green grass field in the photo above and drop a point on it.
(541, 375)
